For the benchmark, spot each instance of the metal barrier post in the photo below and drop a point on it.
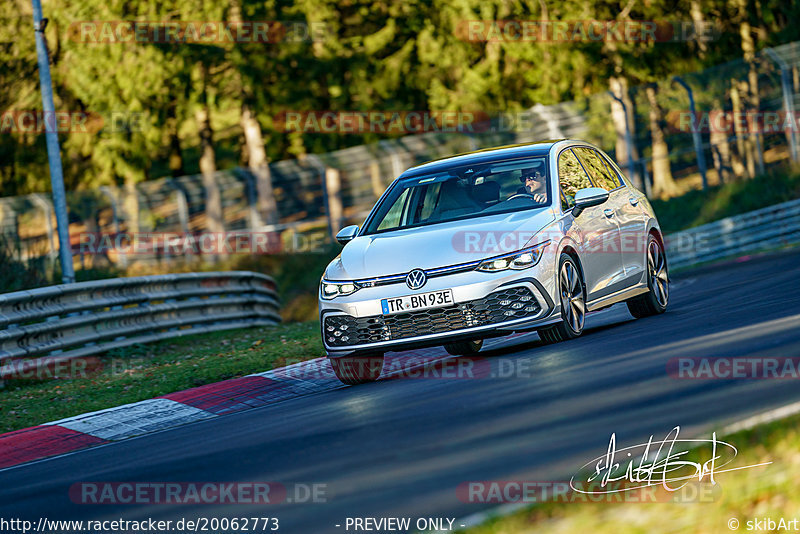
(788, 103)
(53, 150)
(698, 143)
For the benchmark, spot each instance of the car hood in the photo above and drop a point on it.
(438, 245)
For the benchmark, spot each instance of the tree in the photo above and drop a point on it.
(208, 160)
(253, 146)
(663, 184)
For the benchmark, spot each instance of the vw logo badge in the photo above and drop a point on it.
(416, 279)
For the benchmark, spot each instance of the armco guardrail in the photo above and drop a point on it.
(45, 327)
(763, 229)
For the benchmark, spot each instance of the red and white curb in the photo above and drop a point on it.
(182, 407)
(133, 419)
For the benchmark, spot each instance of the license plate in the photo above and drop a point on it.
(423, 301)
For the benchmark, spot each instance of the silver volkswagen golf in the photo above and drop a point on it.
(518, 238)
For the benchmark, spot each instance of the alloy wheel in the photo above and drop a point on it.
(657, 268)
(572, 302)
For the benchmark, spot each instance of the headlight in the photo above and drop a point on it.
(522, 259)
(331, 290)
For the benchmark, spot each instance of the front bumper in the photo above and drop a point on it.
(495, 305)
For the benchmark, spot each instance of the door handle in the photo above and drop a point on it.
(633, 200)
(608, 213)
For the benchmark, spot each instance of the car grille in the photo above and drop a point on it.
(498, 307)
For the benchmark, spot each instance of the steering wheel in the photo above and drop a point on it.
(522, 195)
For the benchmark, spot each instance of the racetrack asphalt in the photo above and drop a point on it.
(402, 447)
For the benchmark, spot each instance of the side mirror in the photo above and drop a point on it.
(348, 233)
(588, 197)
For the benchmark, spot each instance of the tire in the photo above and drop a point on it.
(464, 348)
(354, 370)
(655, 301)
(572, 296)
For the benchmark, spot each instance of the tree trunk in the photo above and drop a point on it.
(753, 141)
(696, 12)
(663, 184)
(375, 179)
(547, 79)
(754, 137)
(259, 166)
(619, 86)
(333, 190)
(130, 204)
(175, 154)
(253, 151)
(208, 164)
(742, 153)
(720, 148)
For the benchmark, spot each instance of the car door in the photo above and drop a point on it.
(599, 232)
(611, 209)
(632, 223)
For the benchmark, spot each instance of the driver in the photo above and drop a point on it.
(533, 183)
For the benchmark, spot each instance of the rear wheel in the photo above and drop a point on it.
(464, 348)
(353, 370)
(654, 301)
(572, 294)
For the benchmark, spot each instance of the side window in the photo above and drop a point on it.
(394, 217)
(571, 177)
(600, 174)
(429, 201)
(612, 167)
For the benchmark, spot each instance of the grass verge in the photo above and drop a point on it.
(743, 495)
(143, 372)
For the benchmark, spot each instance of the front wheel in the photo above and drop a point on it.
(354, 370)
(464, 348)
(572, 291)
(656, 299)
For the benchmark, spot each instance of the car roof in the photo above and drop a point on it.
(538, 148)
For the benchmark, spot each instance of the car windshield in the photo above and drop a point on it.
(463, 192)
